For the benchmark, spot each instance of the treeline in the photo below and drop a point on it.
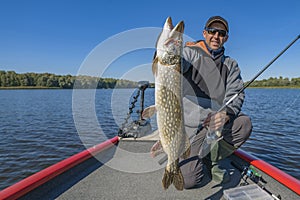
(47, 80)
(277, 82)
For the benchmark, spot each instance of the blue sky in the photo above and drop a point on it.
(60, 36)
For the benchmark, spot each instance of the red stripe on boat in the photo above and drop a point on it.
(282, 177)
(26, 185)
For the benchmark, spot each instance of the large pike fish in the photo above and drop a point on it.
(168, 102)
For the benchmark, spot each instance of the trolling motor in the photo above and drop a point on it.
(140, 127)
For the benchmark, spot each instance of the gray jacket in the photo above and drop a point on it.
(208, 83)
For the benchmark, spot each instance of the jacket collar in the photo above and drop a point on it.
(202, 44)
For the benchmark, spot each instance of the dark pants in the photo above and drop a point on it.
(235, 133)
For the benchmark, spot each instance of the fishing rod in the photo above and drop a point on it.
(200, 127)
(258, 74)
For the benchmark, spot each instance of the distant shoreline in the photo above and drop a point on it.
(275, 87)
(54, 88)
(28, 87)
(13, 80)
(58, 88)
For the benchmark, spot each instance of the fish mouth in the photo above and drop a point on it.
(169, 23)
(179, 27)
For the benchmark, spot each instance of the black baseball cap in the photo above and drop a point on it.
(217, 19)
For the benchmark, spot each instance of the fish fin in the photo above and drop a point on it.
(149, 111)
(187, 148)
(173, 176)
(156, 149)
(187, 153)
(154, 66)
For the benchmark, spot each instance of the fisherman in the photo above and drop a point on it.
(210, 80)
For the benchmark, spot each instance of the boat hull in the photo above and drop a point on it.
(103, 172)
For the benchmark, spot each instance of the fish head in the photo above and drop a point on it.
(170, 43)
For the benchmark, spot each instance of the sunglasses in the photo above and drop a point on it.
(212, 31)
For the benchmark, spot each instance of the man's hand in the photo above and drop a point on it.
(216, 120)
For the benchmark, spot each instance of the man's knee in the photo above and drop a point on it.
(246, 126)
(192, 171)
(241, 131)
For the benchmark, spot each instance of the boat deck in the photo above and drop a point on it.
(130, 173)
(106, 182)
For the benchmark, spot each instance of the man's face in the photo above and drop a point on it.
(214, 35)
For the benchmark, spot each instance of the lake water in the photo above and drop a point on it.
(41, 127)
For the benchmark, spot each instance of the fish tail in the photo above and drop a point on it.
(167, 179)
(178, 181)
(173, 176)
